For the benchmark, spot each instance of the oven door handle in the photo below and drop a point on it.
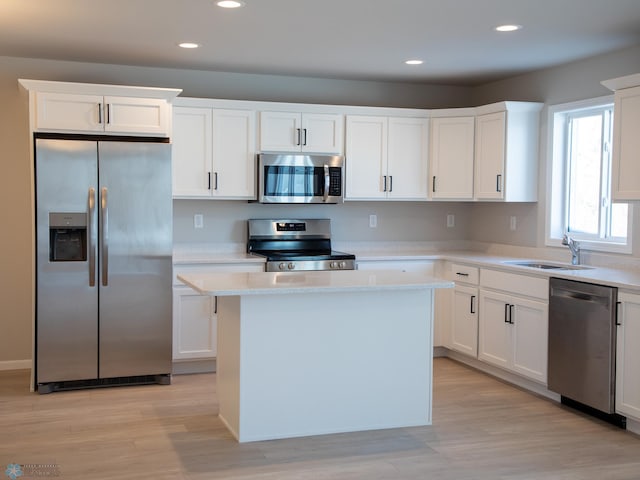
(326, 183)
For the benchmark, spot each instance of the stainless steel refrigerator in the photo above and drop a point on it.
(103, 263)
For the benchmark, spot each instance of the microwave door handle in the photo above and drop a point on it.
(326, 183)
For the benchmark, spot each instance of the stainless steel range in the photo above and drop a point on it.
(294, 245)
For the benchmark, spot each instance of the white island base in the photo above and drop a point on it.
(315, 361)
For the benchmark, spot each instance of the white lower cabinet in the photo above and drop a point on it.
(464, 321)
(628, 356)
(464, 309)
(513, 329)
(195, 319)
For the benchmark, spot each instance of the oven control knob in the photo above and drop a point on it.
(291, 266)
(343, 264)
(282, 266)
(333, 265)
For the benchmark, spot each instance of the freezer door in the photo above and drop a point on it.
(66, 286)
(135, 212)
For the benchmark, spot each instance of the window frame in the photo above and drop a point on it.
(557, 181)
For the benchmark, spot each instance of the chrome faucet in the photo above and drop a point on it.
(574, 247)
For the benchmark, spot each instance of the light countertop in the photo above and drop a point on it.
(626, 279)
(261, 283)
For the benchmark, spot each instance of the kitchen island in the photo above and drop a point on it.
(307, 353)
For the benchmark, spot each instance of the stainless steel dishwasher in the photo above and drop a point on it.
(582, 343)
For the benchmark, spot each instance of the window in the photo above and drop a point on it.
(580, 194)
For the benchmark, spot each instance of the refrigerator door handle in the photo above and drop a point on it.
(105, 236)
(92, 234)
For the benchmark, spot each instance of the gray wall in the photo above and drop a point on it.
(397, 221)
(16, 253)
(566, 83)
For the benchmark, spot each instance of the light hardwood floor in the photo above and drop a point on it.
(482, 429)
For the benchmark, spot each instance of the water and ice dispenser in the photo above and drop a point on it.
(67, 237)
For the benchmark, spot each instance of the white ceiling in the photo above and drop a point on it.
(351, 39)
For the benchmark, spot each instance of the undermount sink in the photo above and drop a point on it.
(546, 266)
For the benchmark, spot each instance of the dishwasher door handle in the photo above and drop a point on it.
(586, 297)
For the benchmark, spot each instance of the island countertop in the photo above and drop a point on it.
(261, 283)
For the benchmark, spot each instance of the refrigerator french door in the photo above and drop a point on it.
(103, 263)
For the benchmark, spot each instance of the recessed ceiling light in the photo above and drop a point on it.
(508, 28)
(414, 62)
(188, 45)
(230, 4)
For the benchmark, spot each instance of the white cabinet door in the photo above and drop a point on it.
(194, 325)
(451, 157)
(322, 133)
(626, 145)
(489, 155)
(408, 159)
(366, 157)
(628, 356)
(96, 113)
(513, 333)
(233, 154)
(280, 132)
(464, 321)
(67, 112)
(301, 132)
(192, 151)
(494, 334)
(144, 116)
(529, 338)
(214, 153)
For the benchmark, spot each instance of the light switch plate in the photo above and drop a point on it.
(451, 220)
(198, 220)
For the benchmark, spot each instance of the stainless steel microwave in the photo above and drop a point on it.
(298, 178)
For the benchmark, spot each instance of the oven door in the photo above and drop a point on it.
(300, 178)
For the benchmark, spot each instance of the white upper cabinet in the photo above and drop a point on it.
(451, 157)
(104, 109)
(408, 158)
(301, 132)
(213, 152)
(386, 158)
(625, 181)
(506, 152)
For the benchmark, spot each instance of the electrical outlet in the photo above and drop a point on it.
(198, 220)
(373, 221)
(512, 222)
(451, 220)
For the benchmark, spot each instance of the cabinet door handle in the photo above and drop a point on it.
(618, 314)
(215, 305)
(298, 136)
(499, 183)
(473, 304)
(506, 313)
(391, 183)
(384, 188)
(511, 314)
(108, 113)
(208, 180)
(462, 274)
(215, 181)
(304, 141)
(433, 184)
(99, 113)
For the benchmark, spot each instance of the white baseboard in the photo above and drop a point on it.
(15, 365)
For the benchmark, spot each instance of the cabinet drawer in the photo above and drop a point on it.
(517, 284)
(464, 273)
